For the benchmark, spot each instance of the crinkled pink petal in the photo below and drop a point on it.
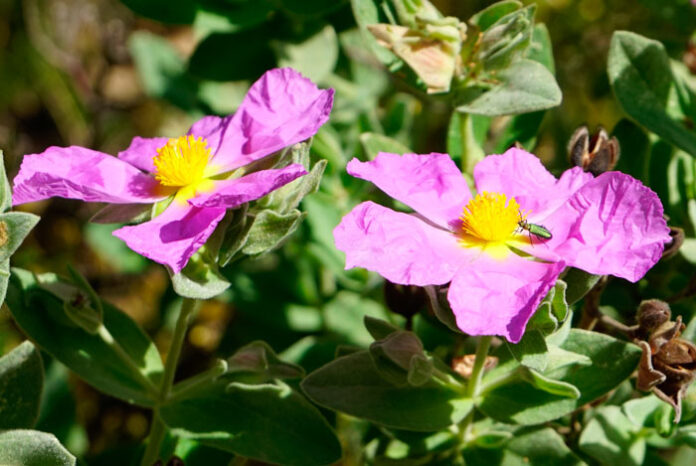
(234, 192)
(142, 151)
(612, 225)
(281, 108)
(498, 297)
(78, 173)
(430, 184)
(520, 174)
(174, 236)
(401, 247)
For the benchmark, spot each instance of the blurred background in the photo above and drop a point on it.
(96, 73)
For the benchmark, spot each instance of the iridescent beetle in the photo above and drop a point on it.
(539, 231)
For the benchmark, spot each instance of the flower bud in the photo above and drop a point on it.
(404, 300)
(672, 248)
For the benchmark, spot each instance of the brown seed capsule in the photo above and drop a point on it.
(652, 313)
(668, 362)
(594, 153)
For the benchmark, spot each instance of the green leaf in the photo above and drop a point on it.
(554, 387)
(353, 385)
(33, 448)
(552, 311)
(393, 356)
(4, 279)
(414, 448)
(288, 197)
(270, 229)
(14, 227)
(519, 402)
(541, 50)
(640, 74)
(373, 143)
(314, 57)
(344, 315)
(558, 357)
(525, 86)
(215, 59)
(579, 283)
(5, 189)
(379, 328)
(491, 14)
(533, 447)
(531, 351)
(366, 12)
(231, 18)
(259, 358)
(21, 385)
(119, 360)
(610, 438)
(268, 422)
(112, 250)
(162, 70)
(200, 279)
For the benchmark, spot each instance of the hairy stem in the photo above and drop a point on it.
(471, 151)
(473, 386)
(157, 428)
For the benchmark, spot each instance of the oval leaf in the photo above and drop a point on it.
(352, 384)
(267, 422)
(21, 384)
(93, 357)
(33, 448)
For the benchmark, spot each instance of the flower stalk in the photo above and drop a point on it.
(158, 429)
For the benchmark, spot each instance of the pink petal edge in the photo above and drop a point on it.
(282, 108)
(232, 193)
(612, 225)
(431, 184)
(174, 236)
(498, 297)
(401, 247)
(79, 173)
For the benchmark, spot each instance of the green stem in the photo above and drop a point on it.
(185, 386)
(157, 428)
(104, 333)
(472, 153)
(473, 386)
(484, 344)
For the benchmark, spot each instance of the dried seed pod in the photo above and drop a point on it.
(652, 313)
(594, 153)
(668, 362)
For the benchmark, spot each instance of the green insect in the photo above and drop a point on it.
(539, 231)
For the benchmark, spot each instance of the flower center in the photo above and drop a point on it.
(491, 217)
(182, 161)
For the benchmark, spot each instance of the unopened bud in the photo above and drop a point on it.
(672, 248)
(595, 153)
(405, 300)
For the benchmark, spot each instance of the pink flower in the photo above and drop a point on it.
(199, 175)
(498, 272)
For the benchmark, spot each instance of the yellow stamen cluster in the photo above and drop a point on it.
(182, 161)
(491, 217)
